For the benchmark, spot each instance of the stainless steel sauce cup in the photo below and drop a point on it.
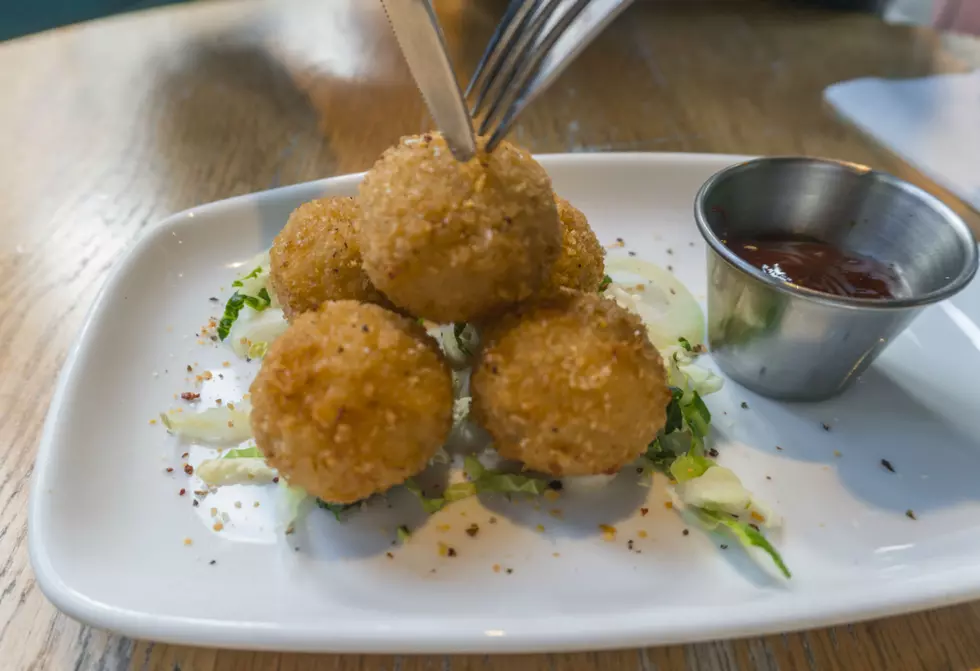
(789, 342)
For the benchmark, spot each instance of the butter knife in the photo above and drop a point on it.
(420, 38)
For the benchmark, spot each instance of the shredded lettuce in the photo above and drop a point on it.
(458, 343)
(243, 453)
(252, 291)
(488, 480)
(336, 508)
(243, 465)
(747, 535)
(718, 488)
(234, 306)
(684, 373)
(237, 471)
(253, 331)
(214, 425)
(458, 331)
(251, 276)
(689, 466)
(481, 480)
(291, 502)
(714, 494)
(675, 417)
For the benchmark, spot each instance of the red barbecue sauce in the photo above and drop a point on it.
(821, 266)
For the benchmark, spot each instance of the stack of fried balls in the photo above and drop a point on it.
(356, 397)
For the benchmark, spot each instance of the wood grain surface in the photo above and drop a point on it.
(110, 126)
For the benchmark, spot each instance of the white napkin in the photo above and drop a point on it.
(932, 122)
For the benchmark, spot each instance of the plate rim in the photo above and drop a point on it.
(389, 633)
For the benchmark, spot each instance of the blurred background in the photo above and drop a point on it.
(19, 18)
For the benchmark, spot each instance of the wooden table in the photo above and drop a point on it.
(110, 126)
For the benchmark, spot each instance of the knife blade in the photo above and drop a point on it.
(420, 38)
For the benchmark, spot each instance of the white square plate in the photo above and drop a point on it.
(107, 525)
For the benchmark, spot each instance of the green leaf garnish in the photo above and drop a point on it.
(675, 417)
(689, 466)
(606, 281)
(472, 467)
(252, 275)
(459, 491)
(685, 343)
(235, 305)
(659, 456)
(458, 329)
(335, 508)
(747, 535)
(232, 308)
(697, 416)
(429, 505)
(482, 480)
(243, 453)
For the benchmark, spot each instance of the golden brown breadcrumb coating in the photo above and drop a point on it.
(451, 241)
(351, 400)
(581, 264)
(317, 258)
(570, 385)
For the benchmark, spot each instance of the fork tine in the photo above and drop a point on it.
(502, 28)
(516, 58)
(576, 36)
(514, 87)
(500, 48)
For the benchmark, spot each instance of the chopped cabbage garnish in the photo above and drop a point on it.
(689, 466)
(495, 481)
(234, 306)
(237, 471)
(429, 505)
(718, 488)
(684, 373)
(251, 291)
(214, 425)
(482, 480)
(713, 493)
(667, 308)
(714, 488)
(335, 508)
(458, 342)
(290, 504)
(744, 533)
(253, 331)
(243, 453)
(716, 496)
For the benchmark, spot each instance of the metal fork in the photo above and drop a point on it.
(534, 42)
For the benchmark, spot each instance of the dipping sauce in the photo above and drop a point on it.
(821, 267)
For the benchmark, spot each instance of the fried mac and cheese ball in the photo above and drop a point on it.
(316, 258)
(570, 385)
(454, 242)
(351, 400)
